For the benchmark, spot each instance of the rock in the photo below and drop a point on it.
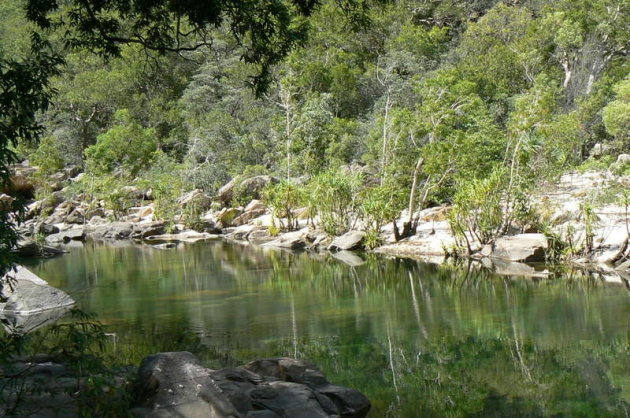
(46, 229)
(77, 216)
(16, 323)
(132, 192)
(522, 247)
(76, 234)
(29, 248)
(196, 197)
(352, 240)
(259, 236)
(227, 215)
(296, 240)
(144, 230)
(250, 188)
(226, 192)
(600, 149)
(6, 202)
(176, 384)
(253, 186)
(30, 294)
(623, 159)
(248, 216)
(186, 236)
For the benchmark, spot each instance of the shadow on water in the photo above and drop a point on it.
(418, 339)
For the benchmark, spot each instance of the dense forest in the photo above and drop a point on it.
(471, 103)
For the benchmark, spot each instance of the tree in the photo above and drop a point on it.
(617, 112)
(267, 29)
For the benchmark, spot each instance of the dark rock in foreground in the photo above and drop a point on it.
(177, 385)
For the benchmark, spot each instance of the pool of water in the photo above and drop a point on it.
(416, 338)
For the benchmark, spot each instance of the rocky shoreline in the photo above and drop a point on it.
(54, 223)
(175, 384)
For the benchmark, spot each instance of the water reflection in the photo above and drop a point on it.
(416, 338)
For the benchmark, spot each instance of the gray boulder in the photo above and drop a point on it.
(296, 240)
(76, 234)
(29, 248)
(522, 247)
(29, 294)
(352, 240)
(176, 384)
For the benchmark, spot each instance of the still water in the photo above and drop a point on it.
(417, 339)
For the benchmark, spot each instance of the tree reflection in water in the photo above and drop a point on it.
(418, 339)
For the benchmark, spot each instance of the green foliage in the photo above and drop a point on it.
(284, 198)
(127, 146)
(334, 198)
(617, 113)
(378, 205)
(478, 208)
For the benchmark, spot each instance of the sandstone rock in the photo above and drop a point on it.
(29, 248)
(296, 240)
(176, 384)
(226, 192)
(248, 216)
(253, 186)
(76, 234)
(250, 187)
(144, 230)
(30, 294)
(352, 240)
(522, 247)
(196, 197)
(255, 205)
(227, 216)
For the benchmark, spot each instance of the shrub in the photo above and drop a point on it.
(284, 198)
(378, 205)
(334, 198)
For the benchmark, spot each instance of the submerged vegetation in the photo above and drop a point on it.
(450, 340)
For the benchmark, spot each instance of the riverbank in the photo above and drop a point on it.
(579, 219)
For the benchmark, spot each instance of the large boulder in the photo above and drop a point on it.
(296, 240)
(227, 216)
(176, 384)
(30, 248)
(352, 240)
(252, 211)
(253, 186)
(28, 294)
(250, 188)
(76, 234)
(522, 247)
(195, 197)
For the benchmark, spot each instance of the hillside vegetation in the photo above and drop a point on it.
(471, 103)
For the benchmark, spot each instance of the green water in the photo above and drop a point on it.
(417, 339)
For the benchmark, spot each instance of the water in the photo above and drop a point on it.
(417, 339)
